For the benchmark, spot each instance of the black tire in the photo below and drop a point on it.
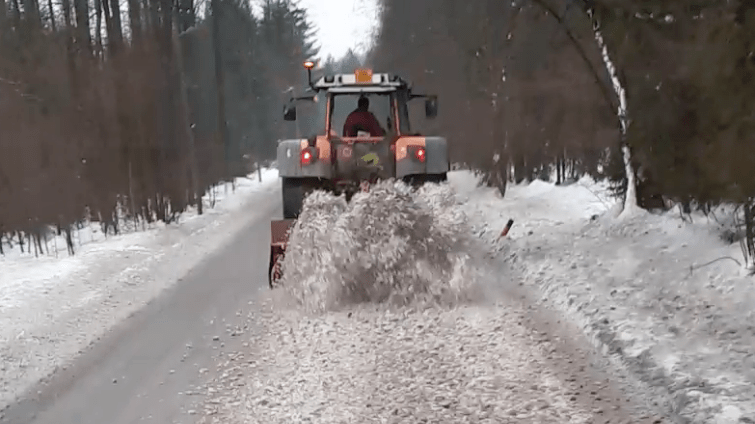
(294, 191)
(419, 180)
(293, 197)
(270, 271)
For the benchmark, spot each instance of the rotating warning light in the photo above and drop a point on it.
(309, 64)
(363, 76)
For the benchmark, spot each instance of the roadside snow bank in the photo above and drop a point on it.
(390, 245)
(633, 286)
(51, 308)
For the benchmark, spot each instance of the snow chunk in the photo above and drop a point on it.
(393, 245)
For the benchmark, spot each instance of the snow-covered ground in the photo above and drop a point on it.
(639, 287)
(52, 307)
(465, 364)
(390, 312)
(676, 333)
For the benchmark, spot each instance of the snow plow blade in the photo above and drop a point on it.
(279, 232)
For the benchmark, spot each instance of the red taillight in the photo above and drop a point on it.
(306, 156)
(420, 154)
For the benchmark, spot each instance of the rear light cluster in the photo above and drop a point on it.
(308, 155)
(418, 153)
(311, 154)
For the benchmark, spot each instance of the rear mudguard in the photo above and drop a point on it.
(279, 233)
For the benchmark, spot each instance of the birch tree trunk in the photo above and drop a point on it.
(630, 197)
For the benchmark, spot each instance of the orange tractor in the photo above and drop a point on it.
(362, 154)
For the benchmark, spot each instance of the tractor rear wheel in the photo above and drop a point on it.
(437, 178)
(419, 180)
(270, 275)
(275, 271)
(295, 190)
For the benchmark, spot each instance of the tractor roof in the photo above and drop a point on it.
(361, 81)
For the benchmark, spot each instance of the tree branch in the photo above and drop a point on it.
(583, 54)
(692, 268)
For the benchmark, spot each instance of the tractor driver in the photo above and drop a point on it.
(361, 119)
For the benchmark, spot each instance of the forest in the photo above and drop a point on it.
(121, 119)
(529, 87)
(116, 120)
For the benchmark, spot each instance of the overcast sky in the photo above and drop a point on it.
(342, 24)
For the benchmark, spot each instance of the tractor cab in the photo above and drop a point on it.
(388, 97)
(370, 145)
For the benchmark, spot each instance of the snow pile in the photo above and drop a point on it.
(390, 245)
(645, 288)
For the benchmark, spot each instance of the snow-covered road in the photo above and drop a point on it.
(455, 338)
(467, 364)
(52, 308)
(474, 330)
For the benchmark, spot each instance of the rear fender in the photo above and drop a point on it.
(280, 230)
(436, 158)
(289, 159)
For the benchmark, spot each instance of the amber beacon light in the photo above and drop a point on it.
(363, 76)
(309, 65)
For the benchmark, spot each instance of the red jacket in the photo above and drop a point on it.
(362, 120)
